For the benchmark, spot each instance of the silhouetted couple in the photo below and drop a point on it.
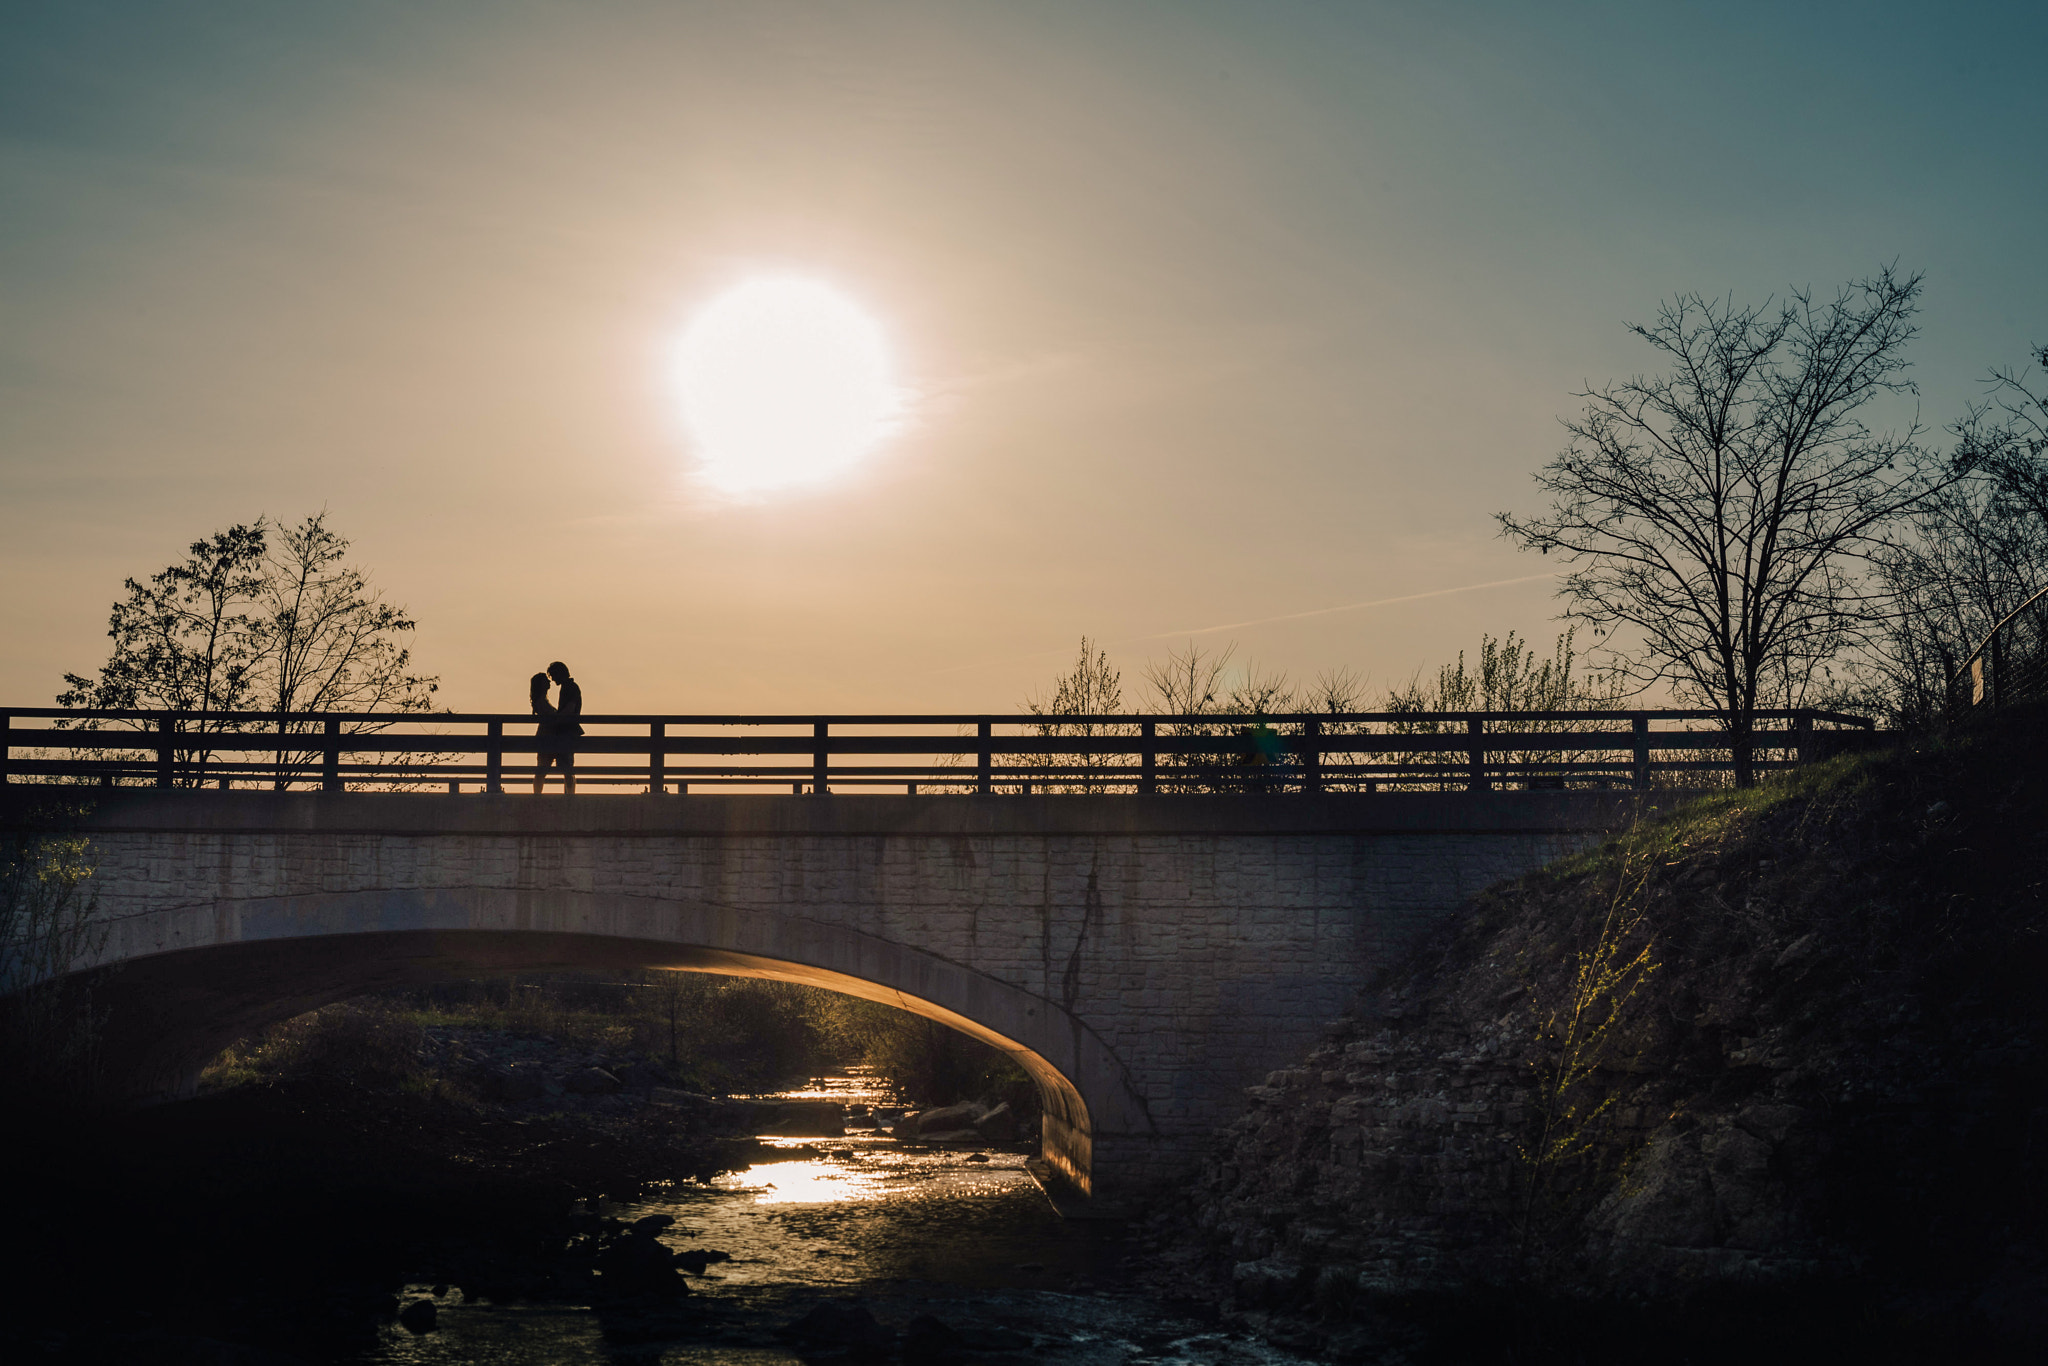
(558, 726)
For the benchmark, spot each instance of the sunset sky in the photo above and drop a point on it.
(1204, 314)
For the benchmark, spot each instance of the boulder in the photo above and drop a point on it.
(844, 1325)
(804, 1119)
(696, 1259)
(927, 1339)
(591, 1081)
(638, 1263)
(945, 1118)
(638, 1076)
(950, 1136)
(418, 1317)
(998, 1125)
(511, 1083)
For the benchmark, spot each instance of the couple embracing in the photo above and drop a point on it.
(558, 725)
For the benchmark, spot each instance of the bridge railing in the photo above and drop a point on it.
(2011, 665)
(676, 754)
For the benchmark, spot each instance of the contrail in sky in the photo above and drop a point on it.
(1352, 606)
(1285, 616)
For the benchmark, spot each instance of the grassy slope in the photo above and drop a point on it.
(1771, 1042)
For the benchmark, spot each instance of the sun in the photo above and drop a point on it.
(784, 381)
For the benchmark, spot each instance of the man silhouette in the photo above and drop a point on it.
(558, 726)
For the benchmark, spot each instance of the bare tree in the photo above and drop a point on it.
(2007, 437)
(1977, 554)
(1978, 551)
(1192, 683)
(1724, 512)
(329, 640)
(1253, 757)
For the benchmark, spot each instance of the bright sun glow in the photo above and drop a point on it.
(784, 381)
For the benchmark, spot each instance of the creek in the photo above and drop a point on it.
(960, 1235)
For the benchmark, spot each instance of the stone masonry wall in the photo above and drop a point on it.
(1201, 960)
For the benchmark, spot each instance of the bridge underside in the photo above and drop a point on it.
(168, 1014)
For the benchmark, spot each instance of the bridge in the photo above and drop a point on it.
(1147, 916)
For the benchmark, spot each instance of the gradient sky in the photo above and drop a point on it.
(1215, 312)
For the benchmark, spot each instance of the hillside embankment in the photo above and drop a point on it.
(1768, 1074)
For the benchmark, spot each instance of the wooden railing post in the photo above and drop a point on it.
(1148, 758)
(821, 760)
(985, 760)
(6, 719)
(657, 758)
(1311, 756)
(494, 757)
(330, 756)
(1639, 727)
(1997, 668)
(166, 752)
(1802, 737)
(1475, 732)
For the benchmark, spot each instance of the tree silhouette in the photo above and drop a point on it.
(1724, 512)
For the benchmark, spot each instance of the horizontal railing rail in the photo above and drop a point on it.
(983, 753)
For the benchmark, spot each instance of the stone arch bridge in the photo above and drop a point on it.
(1143, 957)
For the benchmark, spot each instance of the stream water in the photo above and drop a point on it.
(960, 1235)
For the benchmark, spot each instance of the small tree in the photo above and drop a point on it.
(1511, 677)
(1723, 512)
(257, 617)
(1090, 688)
(329, 640)
(185, 640)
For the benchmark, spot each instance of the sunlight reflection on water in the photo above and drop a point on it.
(819, 1181)
(911, 1228)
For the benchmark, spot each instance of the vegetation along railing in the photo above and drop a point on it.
(1343, 752)
(2010, 665)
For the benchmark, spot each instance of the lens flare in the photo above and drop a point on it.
(784, 382)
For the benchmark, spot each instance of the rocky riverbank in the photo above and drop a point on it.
(1769, 1075)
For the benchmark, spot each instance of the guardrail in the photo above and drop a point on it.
(2009, 665)
(1352, 751)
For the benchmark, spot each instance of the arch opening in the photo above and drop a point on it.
(170, 1012)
